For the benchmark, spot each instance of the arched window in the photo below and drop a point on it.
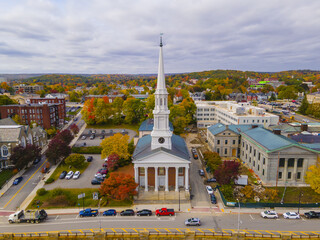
(5, 151)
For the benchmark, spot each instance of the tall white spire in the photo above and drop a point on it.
(161, 133)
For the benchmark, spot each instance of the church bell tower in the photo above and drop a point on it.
(161, 134)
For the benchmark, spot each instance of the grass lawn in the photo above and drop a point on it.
(113, 126)
(292, 195)
(75, 112)
(127, 169)
(5, 175)
(68, 198)
(63, 167)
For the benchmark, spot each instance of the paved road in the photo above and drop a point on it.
(223, 222)
(16, 194)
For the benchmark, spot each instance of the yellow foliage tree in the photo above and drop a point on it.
(313, 177)
(117, 144)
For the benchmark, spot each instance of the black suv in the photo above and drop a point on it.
(213, 198)
(127, 212)
(144, 212)
(89, 159)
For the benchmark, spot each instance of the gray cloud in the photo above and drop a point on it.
(97, 36)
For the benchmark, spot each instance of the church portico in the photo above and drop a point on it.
(162, 177)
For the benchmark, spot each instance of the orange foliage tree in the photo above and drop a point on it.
(119, 186)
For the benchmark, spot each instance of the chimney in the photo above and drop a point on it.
(277, 131)
(304, 127)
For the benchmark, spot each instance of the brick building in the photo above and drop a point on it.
(27, 88)
(45, 115)
(61, 102)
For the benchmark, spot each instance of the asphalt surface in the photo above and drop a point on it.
(217, 223)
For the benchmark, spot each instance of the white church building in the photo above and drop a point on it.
(161, 159)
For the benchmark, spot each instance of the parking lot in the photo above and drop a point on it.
(98, 133)
(84, 181)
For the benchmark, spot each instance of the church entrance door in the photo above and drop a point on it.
(142, 183)
(162, 181)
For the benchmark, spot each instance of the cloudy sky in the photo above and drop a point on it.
(122, 36)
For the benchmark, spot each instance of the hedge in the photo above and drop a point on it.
(87, 150)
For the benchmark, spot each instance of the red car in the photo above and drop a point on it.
(164, 212)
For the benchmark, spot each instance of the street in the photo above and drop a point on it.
(209, 223)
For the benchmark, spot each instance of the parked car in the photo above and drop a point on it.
(110, 212)
(105, 165)
(94, 131)
(111, 131)
(103, 131)
(17, 180)
(195, 155)
(127, 212)
(269, 214)
(213, 199)
(291, 215)
(103, 171)
(36, 161)
(89, 159)
(102, 137)
(84, 137)
(76, 119)
(89, 213)
(123, 131)
(192, 222)
(76, 175)
(209, 190)
(165, 212)
(99, 177)
(69, 175)
(209, 180)
(312, 214)
(144, 212)
(201, 172)
(92, 137)
(63, 175)
(90, 131)
(96, 181)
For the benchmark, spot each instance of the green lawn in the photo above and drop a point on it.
(75, 112)
(292, 195)
(4, 176)
(63, 167)
(68, 198)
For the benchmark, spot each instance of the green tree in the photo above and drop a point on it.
(102, 111)
(213, 160)
(273, 97)
(21, 156)
(5, 100)
(179, 124)
(150, 104)
(304, 105)
(117, 144)
(134, 110)
(17, 119)
(117, 105)
(75, 160)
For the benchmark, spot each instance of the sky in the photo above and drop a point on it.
(122, 36)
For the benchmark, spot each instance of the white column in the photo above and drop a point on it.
(146, 179)
(186, 178)
(136, 174)
(167, 179)
(156, 184)
(177, 174)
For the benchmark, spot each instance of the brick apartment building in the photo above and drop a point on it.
(61, 102)
(27, 88)
(45, 115)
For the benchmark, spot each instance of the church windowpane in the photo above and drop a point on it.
(180, 171)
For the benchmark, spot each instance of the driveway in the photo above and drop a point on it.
(96, 141)
(84, 181)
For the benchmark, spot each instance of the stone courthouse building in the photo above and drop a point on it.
(161, 159)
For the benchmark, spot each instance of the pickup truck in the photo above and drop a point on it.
(164, 212)
(88, 213)
(312, 214)
(29, 216)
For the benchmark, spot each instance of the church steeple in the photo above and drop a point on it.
(161, 134)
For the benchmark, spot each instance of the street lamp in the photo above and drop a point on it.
(179, 198)
(300, 195)
(238, 215)
(99, 213)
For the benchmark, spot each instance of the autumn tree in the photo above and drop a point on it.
(17, 119)
(213, 160)
(113, 161)
(119, 186)
(75, 160)
(102, 110)
(88, 112)
(5, 100)
(117, 144)
(117, 105)
(150, 104)
(74, 129)
(134, 110)
(313, 177)
(65, 136)
(248, 192)
(227, 172)
(22, 156)
(57, 149)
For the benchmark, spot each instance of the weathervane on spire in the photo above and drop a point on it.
(161, 39)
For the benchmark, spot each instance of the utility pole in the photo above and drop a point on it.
(179, 199)
(238, 215)
(300, 194)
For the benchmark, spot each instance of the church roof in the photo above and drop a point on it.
(147, 125)
(7, 121)
(143, 148)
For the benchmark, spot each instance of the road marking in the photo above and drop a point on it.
(80, 231)
(200, 230)
(251, 217)
(303, 233)
(156, 230)
(124, 230)
(24, 184)
(56, 217)
(113, 230)
(167, 230)
(136, 230)
(268, 232)
(257, 231)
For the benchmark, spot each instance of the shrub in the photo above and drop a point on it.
(49, 180)
(57, 192)
(15, 171)
(41, 191)
(227, 191)
(87, 150)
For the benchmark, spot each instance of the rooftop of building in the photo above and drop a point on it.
(147, 125)
(220, 127)
(143, 148)
(7, 122)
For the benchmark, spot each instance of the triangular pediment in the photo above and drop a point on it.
(227, 133)
(161, 157)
